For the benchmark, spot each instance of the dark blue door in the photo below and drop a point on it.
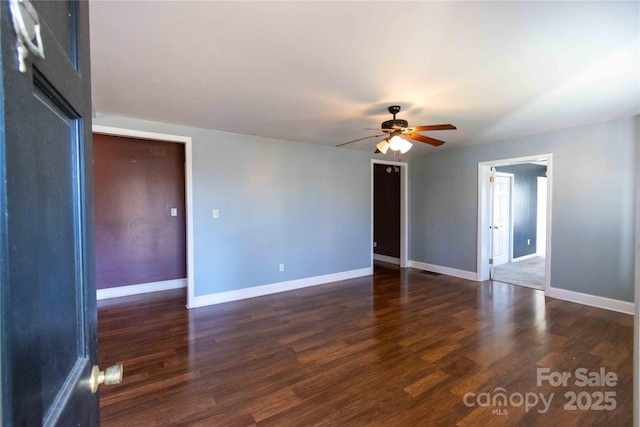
(47, 297)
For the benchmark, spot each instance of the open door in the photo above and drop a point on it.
(501, 218)
(48, 297)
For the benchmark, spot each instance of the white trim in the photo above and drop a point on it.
(186, 140)
(547, 249)
(636, 322)
(385, 258)
(142, 288)
(518, 160)
(139, 134)
(483, 235)
(524, 257)
(257, 291)
(469, 275)
(592, 300)
(404, 209)
(539, 249)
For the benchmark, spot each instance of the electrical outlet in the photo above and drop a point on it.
(375, 244)
(216, 213)
(174, 211)
(281, 267)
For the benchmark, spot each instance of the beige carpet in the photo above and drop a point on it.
(529, 273)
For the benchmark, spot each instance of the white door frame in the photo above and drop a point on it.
(484, 218)
(188, 182)
(636, 323)
(404, 211)
(542, 212)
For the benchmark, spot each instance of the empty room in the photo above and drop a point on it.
(321, 213)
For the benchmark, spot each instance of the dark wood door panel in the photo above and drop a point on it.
(46, 255)
(63, 70)
(386, 210)
(57, 222)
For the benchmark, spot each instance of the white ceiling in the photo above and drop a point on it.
(322, 72)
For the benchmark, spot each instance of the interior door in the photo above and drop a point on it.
(501, 218)
(48, 303)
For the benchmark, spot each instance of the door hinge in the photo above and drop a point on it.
(491, 261)
(490, 179)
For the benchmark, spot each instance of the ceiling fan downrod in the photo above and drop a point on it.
(394, 109)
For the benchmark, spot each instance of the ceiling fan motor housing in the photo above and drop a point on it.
(394, 124)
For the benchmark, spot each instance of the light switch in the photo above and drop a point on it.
(216, 213)
(174, 211)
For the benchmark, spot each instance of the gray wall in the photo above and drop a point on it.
(593, 218)
(525, 206)
(303, 205)
(309, 206)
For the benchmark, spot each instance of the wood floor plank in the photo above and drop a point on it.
(396, 348)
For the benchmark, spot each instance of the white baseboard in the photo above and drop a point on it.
(525, 257)
(385, 258)
(469, 275)
(142, 288)
(257, 291)
(592, 300)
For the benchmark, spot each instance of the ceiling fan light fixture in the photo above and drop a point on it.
(406, 146)
(383, 146)
(396, 143)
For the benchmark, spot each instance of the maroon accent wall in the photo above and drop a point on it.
(386, 211)
(137, 182)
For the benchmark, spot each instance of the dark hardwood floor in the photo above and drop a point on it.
(398, 348)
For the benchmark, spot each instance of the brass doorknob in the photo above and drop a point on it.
(111, 375)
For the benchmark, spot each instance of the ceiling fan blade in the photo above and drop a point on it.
(359, 139)
(433, 127)
(425, 139)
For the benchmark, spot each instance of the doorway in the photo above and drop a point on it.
(526, 262)
(188, 214)
(397, 171)
(386, 213)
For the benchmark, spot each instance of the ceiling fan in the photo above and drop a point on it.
(398, 131)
